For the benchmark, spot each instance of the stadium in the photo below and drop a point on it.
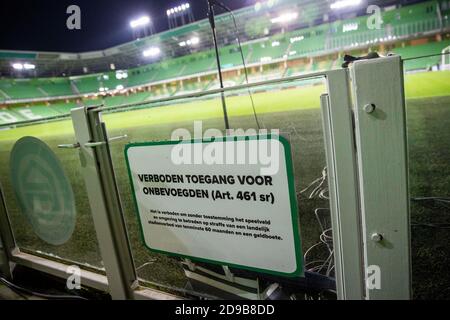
(275, 61)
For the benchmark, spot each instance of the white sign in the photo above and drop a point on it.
(220, 213)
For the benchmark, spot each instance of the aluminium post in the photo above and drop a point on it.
(381, 140)
(98, 174)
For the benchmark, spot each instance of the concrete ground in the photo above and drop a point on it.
(8, 294)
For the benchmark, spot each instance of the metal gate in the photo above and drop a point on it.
(364, 140)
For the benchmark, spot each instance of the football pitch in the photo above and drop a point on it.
(296, 112)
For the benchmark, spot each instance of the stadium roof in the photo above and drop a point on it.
(253, 22)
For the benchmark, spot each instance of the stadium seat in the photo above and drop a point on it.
(54, 87)
(422, 50)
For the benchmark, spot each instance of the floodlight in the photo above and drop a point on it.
(195, 40)
(179, 8)
(295, 39)
(142, 21)
(285, 17)
(353, 26)
(344, 4)
(121, 74)
(29, 66)
(190, 42)
(26, 66)
(17, 66)
(168, 12)
(152, 52)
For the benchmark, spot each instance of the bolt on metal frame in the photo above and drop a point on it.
(349, 139)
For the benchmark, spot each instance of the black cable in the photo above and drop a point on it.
(236, 30)
(219, 67)
(432, 225)
(431, 202)
(15, 287)
(441, 199)
(18, 292)
(428, 56)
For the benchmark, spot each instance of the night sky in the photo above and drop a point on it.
(41, 25)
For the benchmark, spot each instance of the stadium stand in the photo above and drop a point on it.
(87, 84)
(62, 107)
(422, 50)
(53, 87)
(21, 88)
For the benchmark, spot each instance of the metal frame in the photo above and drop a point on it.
(88, 278)
(342, 181)
(345, 161)
(380, 129)
(96, 168)
(14, 256)
(7, 242)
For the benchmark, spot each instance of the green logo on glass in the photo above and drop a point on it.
(43, 192)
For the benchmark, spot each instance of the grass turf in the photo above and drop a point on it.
(295, 112)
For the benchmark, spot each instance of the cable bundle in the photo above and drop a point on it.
(318, 189)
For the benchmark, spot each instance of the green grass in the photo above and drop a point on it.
(265, 102)
(297, 114)
(427, 84)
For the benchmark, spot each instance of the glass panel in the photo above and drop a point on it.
(427, 88)
(293, 108)
(3, 261)
(42, 233)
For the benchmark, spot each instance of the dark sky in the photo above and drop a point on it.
(41, 25)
